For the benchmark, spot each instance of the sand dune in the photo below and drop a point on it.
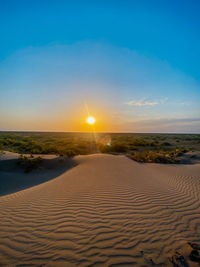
(13, 178)
(106, 211)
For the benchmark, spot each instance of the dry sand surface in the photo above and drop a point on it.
(106, 211)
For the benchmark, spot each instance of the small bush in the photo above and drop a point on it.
(156, 156)
(165, 144)
(118, 147)
(69, 152)
(140, 142)
(29, 163)
(113, 148)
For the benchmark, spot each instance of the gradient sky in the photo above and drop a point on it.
(134, 64)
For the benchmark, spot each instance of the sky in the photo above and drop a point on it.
(133, 65)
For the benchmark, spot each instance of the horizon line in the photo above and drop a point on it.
(39, 131)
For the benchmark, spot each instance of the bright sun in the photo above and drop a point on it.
(91, 120)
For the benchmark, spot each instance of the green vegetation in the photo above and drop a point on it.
(141, 147)
(160, 156)
(113, 148)
(29, 163)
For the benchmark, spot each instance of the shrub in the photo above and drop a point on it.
(1, 146)
(113, 148)
(29, 163)
(118, 147)
(69, 152)
(156, 156)
(140, 142)
(165, 144)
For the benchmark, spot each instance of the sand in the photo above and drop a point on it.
(106, 211)
(13, 178)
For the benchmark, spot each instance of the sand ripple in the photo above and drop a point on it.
(103, 212)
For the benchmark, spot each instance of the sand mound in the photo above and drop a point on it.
(106, 211)
(13, 177)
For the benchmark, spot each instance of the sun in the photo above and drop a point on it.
(91, 120)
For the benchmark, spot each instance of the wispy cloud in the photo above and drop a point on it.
(143, 102)
(140, 103)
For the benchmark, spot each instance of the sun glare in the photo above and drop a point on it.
(91, 120)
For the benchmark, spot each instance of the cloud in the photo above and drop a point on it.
(140, 103)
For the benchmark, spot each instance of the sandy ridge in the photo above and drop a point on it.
(103, 212)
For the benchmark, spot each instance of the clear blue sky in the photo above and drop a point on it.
(135, 63)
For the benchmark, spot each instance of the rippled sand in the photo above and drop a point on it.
(106, 211)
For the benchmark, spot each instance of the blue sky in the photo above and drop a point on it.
(135, 63)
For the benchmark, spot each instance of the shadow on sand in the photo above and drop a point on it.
(13, 178)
